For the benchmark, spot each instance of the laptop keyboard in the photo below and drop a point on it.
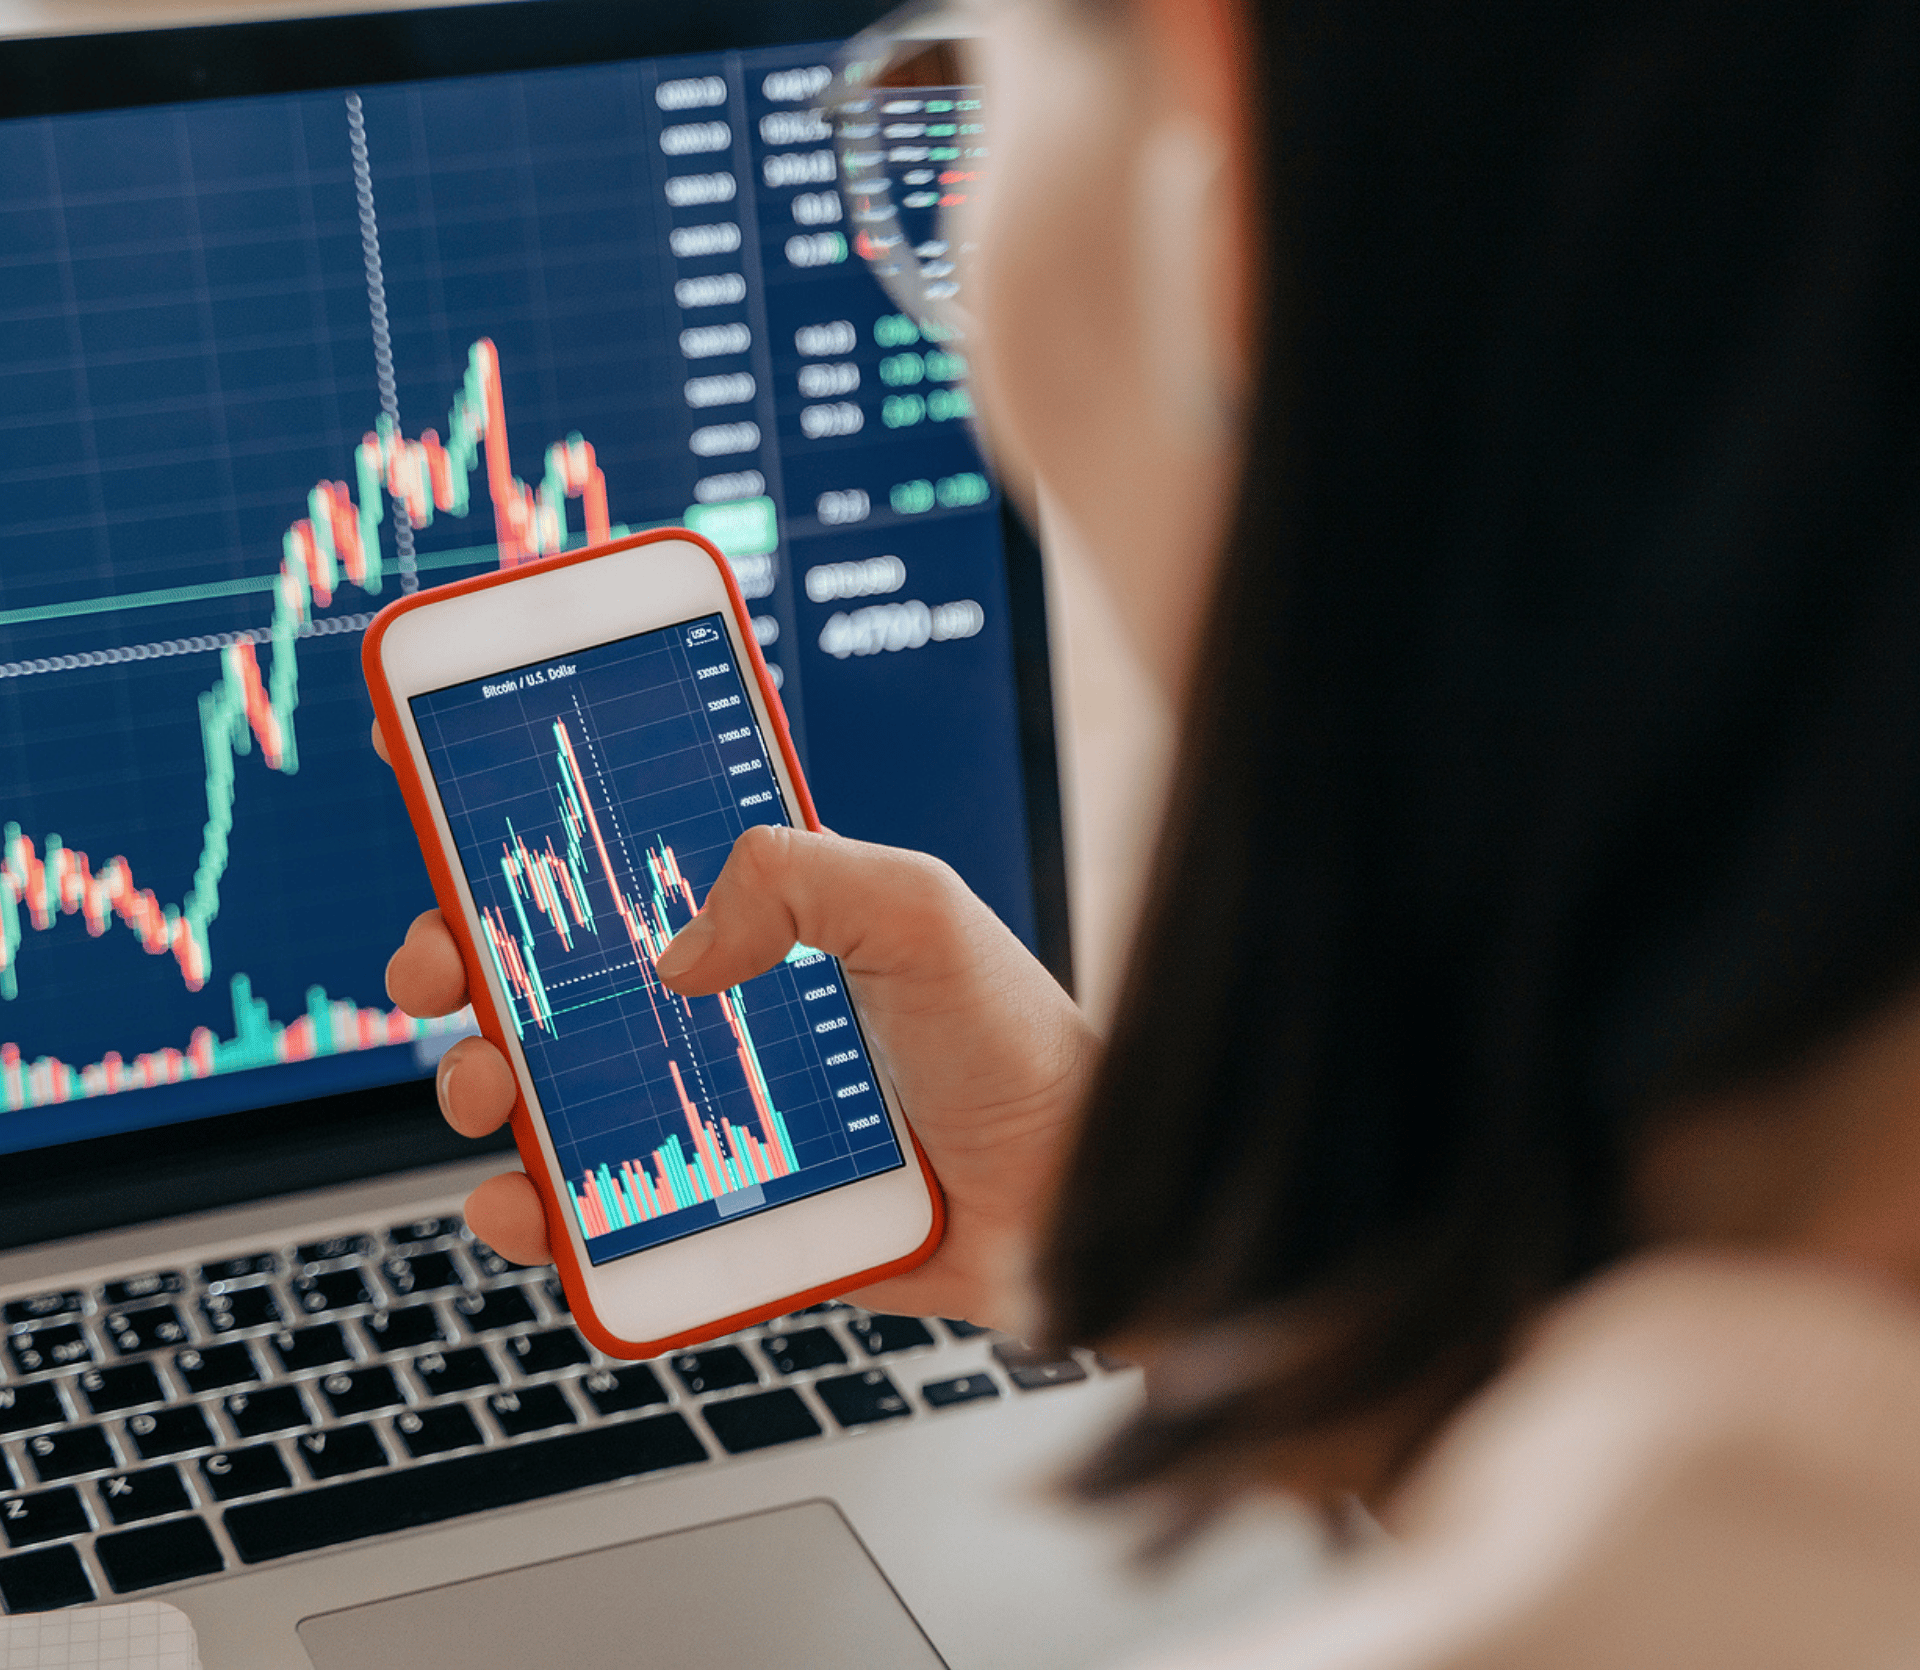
(170, 1425)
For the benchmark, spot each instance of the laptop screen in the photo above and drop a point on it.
(269, 360)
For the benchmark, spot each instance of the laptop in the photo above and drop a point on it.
(251, 1359)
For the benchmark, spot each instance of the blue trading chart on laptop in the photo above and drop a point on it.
(267, 363)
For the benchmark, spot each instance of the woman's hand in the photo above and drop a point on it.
(988, 1054)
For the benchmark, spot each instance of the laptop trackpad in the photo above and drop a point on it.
(771, 1591)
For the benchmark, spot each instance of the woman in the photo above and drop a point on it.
(1495, 425)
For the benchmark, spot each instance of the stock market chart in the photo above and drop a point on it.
(266, 363)
(593, 801)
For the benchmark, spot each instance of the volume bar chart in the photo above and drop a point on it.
(724, 1162)
(331, 1026)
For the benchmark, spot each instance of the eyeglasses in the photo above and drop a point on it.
(911, 135)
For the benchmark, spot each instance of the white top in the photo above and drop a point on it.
(1704, 1464)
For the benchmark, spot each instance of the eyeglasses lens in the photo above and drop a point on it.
(912, 141)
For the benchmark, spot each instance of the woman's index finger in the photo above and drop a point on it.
(426, 976)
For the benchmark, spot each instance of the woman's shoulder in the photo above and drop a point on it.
(1701, 1461)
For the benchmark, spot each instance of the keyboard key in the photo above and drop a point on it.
(156, 1554)
(440, 1490)
(346, 1449)
(862, 1399)
(968, 1388)
(503, 1307)
(170, 1431)
(60, 1346)
(963, 1330)
(271, 1409)
(757, 1423)
(124, 1386)
(402, 1330)
(714, 1369)
(556, 1296)
(146, 1329)
(44, 1516)
(557, 1348)
(9, 1479)
(146, 1494)
(1032, 1370)
(427, 1272)
(320, 1346)
(331, 1290)
(243, 1268)
(334, 1248)
(613, 1391)
(530, 1409)
(44, 1581)
(70, 1452)
(487, 1261)
(435, 1431)
(442, 1372)
(241, 1307)
(884, 1335)
(216, 1367)
(809, 1348)
(361, 1391)
(130, 1290)
(22, 1408)
(232, 1473)
(42, 1306)
(424, 1229)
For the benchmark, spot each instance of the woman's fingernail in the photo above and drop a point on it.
(686, 948)
(443, 1080)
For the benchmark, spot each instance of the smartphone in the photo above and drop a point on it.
(580, 741)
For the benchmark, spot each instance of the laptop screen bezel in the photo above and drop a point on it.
(290, 1147)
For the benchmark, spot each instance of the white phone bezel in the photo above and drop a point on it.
(740, 1264)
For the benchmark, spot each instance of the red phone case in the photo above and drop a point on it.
(414, 791)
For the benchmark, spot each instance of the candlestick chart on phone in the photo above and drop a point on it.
(593, 804)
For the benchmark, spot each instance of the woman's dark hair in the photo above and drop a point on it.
(1554, 755)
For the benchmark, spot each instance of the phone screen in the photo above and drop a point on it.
(593, 799)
